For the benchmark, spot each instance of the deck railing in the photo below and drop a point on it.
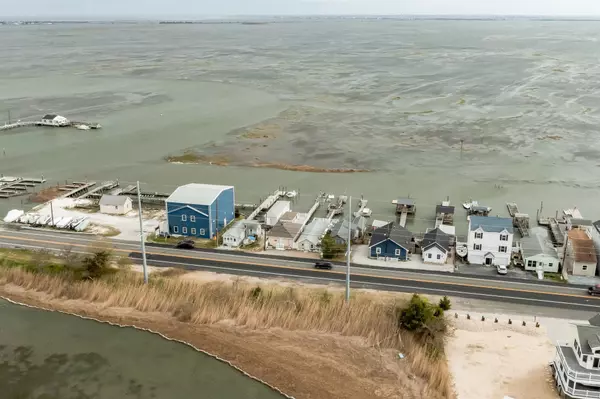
(577, 376)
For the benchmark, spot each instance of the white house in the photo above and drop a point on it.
(54, 120)
(276, 211)
(490, 240)
(311, 237)
(576, 366)
(435, 247)
(242, 229)
(115, 204)
(581, 253)
(539, 254)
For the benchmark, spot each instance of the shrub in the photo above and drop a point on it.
(417, 314)
(96, 264)
(445, 303)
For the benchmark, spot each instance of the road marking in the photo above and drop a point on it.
(218, 257)
(376, 284)
(322, 271)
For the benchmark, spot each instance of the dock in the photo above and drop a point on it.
(98, 192)
(362, 208)
(336, 208)
(405, 207)
(81, 125)
(17, 186)
(444, 214)
(512, 209)
(266, 204)
(520, 220)
(557, 234)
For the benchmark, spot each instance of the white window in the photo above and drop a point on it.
(550, 264)
(429, 256)
(397, 252)
(175, 229)
(477, 247)
(503, 237)
(184, 230)
(529, 263)
(439, 256)
(202, 232)
(479, 235)
(193, 231)
(378, 250)
(183, 218)
(192, 218)
(502, 249)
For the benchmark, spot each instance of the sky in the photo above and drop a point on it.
(189, 9)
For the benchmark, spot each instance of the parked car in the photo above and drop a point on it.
(185, 244)
(323, 265)
(502, 269)
(594, 290)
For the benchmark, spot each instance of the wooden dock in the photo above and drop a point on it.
(512, 208)
(266, 204)
(16, 186)
(556, 232)
(99, 191)
(9, 126)
(76, 189)
(403, 217)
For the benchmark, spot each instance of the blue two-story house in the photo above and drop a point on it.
(200, 210)
(391, 241)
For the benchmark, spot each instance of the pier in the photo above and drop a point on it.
(266, 204)
(99, 191)
(76, 189)
(512, 209)
(79, 125)
(405, 207)
(444, 214)
(556, 232)
(16, 186)
(520, 220)
(336, 208)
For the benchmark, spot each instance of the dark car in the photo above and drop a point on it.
(594, 290)
(323, 265)
(185, 244)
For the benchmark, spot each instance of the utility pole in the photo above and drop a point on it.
(348, 249)
(144, 264)
(51, 212)
(217, 215)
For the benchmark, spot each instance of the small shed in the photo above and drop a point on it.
(115, 204)
(235, 235)
(54, 120)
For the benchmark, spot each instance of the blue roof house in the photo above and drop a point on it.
(391, 241)
(200, 210)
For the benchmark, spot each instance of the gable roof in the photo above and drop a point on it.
(405, 201)
(491, 224)
(114, 200)
(583, 246)
(238, 230)
(447, 209)
(580, 222)
(588, 338)
(285, 230)
(314, 230)
(198, 194)
(49, 116)
(595, 321)
(400, 235)
(340, 229)
(436, 237)
(536, 244)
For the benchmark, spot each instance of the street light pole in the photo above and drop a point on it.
(144, 264)
(348, 249)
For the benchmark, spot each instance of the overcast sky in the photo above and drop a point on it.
(199, 8)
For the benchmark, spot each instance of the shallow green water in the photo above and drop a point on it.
(47, 355)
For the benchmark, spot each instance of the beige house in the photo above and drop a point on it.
(581, 253)
(283, 235)
(115, 204)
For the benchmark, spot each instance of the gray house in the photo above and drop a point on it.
(339, 232)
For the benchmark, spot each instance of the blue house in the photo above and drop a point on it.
(391, 241)
(200, 210)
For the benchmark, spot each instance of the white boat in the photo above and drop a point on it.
(57, 220)
(44, 220)
(291, 194)
(33, 218)
(366, 212)
(470, 204)
(64, 222)
(13, 216)
(83, 127)
(330, 197)
(75, 222)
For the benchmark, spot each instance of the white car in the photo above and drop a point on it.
(502, 269)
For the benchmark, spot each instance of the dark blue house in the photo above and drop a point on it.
(391, 241)
(200, 210)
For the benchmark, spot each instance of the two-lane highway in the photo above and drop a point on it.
(551, 295)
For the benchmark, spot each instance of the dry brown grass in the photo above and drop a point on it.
(295, 309)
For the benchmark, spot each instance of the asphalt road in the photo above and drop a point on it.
(528, 293)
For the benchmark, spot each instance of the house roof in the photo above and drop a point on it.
(583, 246)
(595, 321)
(405, 201)
(49, 116)
(436, 237)
(288, 216)
(114, 200)
(379, 223)
(450, 230)
(580, 222)
(340, 229)
(400, 235)
(285, 230)
(491, 224)
(588, 338)
(536, 244)
(314, 230)
(597, 225)
(238, 230)
(198, 194)
(447, 209)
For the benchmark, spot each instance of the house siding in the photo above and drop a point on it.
(542, 260)
(590, 268)
(434, 251)
(490, 243)
(388, 250)
(206, 220)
